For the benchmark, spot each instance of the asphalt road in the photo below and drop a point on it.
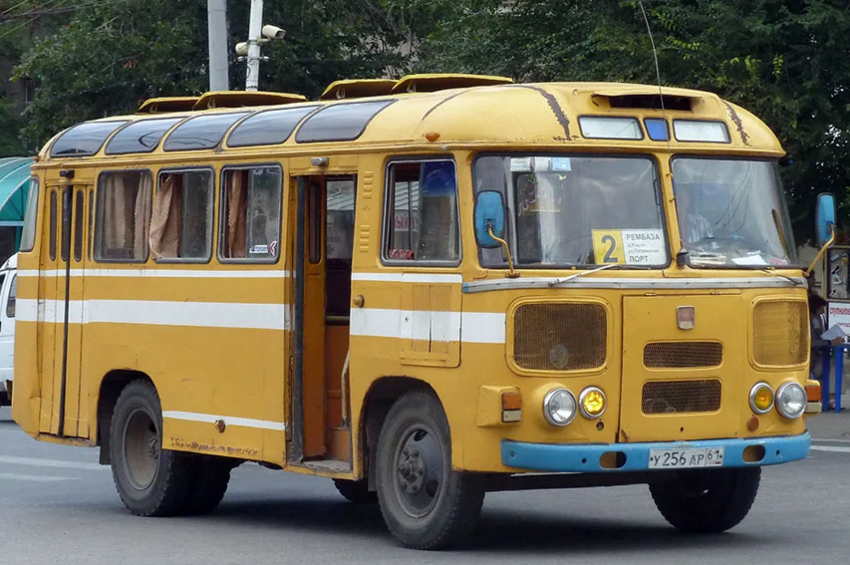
(58, 506)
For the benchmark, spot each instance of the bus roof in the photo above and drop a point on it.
(551, 116)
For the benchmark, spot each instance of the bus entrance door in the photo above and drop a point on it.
(325, 233)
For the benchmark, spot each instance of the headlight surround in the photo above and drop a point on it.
(760, 402)
(559, 407)
(791, 400)
(592, 402)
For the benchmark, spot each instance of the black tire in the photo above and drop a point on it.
(150, 480)
(209, 484)
(356, 491)
(437, 507)
(707, 501)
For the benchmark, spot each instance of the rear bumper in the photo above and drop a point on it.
(585, 458)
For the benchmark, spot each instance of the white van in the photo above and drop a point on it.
(8, 290)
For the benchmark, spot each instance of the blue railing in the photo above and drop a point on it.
(836, 351)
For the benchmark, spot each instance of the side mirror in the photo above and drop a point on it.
(825, 218)
(489, 215)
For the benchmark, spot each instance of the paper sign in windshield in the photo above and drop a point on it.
(629, 247)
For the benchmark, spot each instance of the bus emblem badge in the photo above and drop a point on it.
(686, 316)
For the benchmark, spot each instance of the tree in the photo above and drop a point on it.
(110, 56)
(785, 60)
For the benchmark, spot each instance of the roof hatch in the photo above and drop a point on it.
(436, 82)
(648, 101)
(167, 105)
(358, 88)
(241, 99)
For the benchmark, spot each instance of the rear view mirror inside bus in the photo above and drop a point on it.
(489, 219)
(825, 218)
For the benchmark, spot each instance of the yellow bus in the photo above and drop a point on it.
(423, 289)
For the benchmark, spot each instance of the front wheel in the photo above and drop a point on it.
(707, 501)
(424, 502)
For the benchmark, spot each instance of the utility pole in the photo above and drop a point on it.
(217, 30)
(252, 79)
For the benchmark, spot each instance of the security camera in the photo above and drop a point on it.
(273, 32)
(242, 48)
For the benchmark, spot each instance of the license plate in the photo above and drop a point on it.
(685, 457)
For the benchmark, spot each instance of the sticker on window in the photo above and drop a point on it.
(629, 247)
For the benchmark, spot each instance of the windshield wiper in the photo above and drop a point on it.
(556, 282)
(770, 272)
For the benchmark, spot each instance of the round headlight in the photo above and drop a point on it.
(761, 398)
(559, 407)
(791, 400)
(591, 402)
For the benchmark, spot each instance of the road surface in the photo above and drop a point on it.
(58, 505)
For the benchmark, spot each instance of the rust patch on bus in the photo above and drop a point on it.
(237, 452)
(738, 123)
(553, 105)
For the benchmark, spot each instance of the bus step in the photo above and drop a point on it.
(339, 444)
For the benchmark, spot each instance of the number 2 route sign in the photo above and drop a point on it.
(630, 247)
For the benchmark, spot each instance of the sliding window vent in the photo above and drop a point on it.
(652, 102)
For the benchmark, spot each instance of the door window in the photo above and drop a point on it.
(422, 213)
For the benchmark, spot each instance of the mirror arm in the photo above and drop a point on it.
(512, 274)
(822, 251)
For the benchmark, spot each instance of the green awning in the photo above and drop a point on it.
(14, 189)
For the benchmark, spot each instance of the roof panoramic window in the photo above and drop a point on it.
(202, 132)
(697, 130)
(340, 122)
(140, 137)
(605, 127)
(83, 140)
(268, 128)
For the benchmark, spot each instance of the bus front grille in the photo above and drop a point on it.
(677, 397)
(564, 336)
(682, 354)
(780, 328)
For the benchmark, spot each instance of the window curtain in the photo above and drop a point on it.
(166, 219)
(141, 215)
(237, 211)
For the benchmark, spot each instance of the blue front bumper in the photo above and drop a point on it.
(585, 457)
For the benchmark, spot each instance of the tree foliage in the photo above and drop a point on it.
(785, 60)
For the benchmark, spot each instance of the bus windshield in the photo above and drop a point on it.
(577, 210)
(732, 213)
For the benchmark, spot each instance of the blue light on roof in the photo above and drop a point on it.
(657, 129)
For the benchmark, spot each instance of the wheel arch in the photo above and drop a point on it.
(382, 393)
(110, 389)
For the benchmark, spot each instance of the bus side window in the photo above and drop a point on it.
(422, 213)
(181, 226)
(122, 216)
(250, 218)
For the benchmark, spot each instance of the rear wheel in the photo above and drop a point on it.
(209, 484)
(356, 491)
(707, 501)
(150, 480)
(425, 504)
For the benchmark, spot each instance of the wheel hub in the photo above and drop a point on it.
(419, 471)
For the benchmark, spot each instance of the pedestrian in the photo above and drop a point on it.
(817, 323)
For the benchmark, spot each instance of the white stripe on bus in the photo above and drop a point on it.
(477, 327)
(160, 273)
(158, 313)
(441, 326)
(408, 277)
(228, 420)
